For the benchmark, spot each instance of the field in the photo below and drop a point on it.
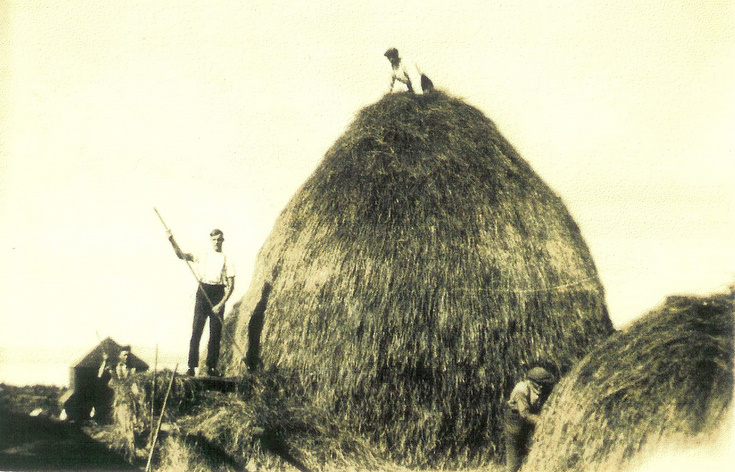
(42, 441)
(256, 426)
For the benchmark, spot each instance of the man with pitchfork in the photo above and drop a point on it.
(216, 275)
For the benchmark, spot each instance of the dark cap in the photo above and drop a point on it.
(216, 232)
(392, 52)
(540, 375)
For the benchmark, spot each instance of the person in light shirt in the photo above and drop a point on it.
(524, 406)
(104, 395)
(216, 275)
(407, 73)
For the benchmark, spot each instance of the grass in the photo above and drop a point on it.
(42, 441)
(24, 400)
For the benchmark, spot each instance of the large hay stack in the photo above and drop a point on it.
(667, 380)
(415, 275)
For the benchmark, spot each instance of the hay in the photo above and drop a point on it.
(415, 275)
(260, 422)
(131, 412)
(667, 376)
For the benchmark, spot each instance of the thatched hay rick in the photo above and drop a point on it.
(665, 381)
(413, 278)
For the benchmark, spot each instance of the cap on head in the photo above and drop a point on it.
(391, 53)
(216, 232)
(124, 351)
(541, 375)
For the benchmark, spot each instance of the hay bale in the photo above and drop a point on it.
(666, 377)
(415, 275)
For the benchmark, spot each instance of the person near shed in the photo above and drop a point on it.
(216, 276)
(108, 371)
(407, 73)
(122, 369)
(524, 406)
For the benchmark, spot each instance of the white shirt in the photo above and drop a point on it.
(407, 72)
(213, 267)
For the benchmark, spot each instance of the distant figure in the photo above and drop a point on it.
(105, 370)
(216, 275)
(122, 371)
(104, 395)
(407, 73)
(526, 400)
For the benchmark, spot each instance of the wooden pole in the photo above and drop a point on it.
(153, 396)
(193, 272)
(160, 420)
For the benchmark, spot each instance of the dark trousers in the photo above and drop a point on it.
(104, 398)
(518, 434)
(202, 311)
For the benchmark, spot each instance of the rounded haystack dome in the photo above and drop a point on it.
(414, 277)
(663, 383)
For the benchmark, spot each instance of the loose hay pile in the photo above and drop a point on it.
(137, 407)
(668, 376)
(259, 425)
(411, 280)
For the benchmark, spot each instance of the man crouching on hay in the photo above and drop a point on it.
(526, 400)
(407, 73)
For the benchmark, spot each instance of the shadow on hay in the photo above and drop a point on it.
(215, 455)
(266, 419)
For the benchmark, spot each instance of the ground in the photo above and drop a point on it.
(42, 441)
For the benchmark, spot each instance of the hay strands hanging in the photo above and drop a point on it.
(160, 420)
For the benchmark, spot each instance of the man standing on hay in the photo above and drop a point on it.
(216, 277)
(526, 400)
(408, 74)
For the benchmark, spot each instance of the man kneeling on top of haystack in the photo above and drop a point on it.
(526, 400)
(407, 73)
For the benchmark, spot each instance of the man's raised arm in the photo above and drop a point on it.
(179, 253)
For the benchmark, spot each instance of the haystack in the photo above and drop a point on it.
(415, 275)
(666, 378)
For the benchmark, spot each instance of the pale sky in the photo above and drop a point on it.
(216, 112)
